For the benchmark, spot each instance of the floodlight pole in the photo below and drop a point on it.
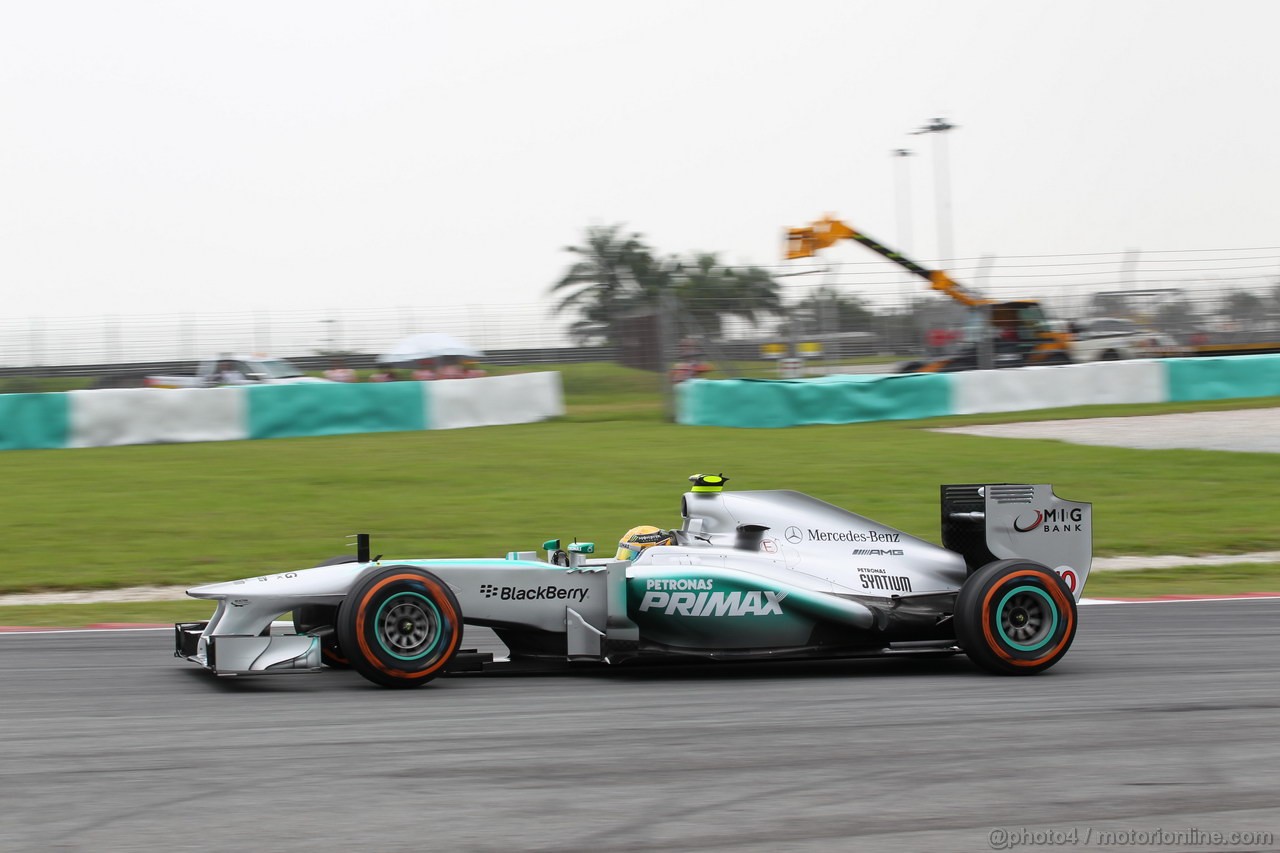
(666, 348)
(903, 194)
(942, 185)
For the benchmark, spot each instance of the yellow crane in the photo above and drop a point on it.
(804, 242)
(1017, 329)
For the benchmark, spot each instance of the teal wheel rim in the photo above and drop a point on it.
(407, 626)
(1027, 618)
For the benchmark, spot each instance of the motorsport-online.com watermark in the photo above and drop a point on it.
(1009, 838)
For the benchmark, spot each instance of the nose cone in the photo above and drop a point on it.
(217, 590)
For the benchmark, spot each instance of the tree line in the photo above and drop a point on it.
(617, 276)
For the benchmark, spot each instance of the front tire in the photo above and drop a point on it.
(400, 626)
(1015, 617)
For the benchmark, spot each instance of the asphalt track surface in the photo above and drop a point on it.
(1162, 717)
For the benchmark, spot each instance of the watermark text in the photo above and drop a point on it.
(1011, 838)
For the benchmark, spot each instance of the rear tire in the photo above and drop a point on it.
(400, 626)
(1015, 617)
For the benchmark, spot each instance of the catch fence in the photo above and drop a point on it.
(842, 310)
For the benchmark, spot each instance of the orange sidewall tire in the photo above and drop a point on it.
(976, 617)
(358, 631)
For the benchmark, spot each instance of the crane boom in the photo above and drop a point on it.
(804, 242)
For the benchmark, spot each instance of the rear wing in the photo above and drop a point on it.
(983, 523)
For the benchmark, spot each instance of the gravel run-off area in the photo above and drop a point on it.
(1239, 430)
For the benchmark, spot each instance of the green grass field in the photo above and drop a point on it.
(182, 514)
(1199, 580)
(80, 615)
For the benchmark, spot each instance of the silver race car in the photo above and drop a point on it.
(751, 575)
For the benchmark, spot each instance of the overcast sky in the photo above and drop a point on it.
(175, 156)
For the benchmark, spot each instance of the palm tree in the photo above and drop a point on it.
(613, 273)
(709, 292)
(617, 278)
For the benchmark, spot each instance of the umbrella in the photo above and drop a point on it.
(428, 345)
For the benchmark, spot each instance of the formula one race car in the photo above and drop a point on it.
(749, 575)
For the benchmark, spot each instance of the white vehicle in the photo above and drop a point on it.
(1115, 338)
(236, 370)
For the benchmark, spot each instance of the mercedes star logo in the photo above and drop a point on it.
(794, 535)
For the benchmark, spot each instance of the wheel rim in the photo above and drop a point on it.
(407, 626)
(1027, 618)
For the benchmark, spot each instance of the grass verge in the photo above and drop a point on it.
(80, 615)
(1193, 580)
(182, 514)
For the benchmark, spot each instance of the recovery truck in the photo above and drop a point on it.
(1013, 333)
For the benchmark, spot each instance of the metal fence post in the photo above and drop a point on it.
(666, 326)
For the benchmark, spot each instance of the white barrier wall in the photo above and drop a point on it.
(108, 417)
(115, 416)
(494, 400)
(1093, 384)
(149, 416)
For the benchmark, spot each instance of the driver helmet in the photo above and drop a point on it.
(634, 542)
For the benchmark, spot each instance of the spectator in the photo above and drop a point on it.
(425, 370)
(470, 370)
(340, 372)
(451, 370)
(383, 374)
(692, 363)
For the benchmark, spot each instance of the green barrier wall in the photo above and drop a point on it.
(279, 411)
(823, 400)
(31, 421)
(1208, 378)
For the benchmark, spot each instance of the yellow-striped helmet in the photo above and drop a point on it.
(634, 542)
